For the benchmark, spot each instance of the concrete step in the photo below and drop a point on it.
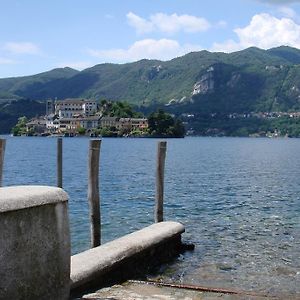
(136, 291)
(130, 256)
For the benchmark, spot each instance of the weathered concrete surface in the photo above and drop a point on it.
(20, 197)
(134, 291)
(126, 257)
(34, 243)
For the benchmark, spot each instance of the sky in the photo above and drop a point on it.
(40, 35)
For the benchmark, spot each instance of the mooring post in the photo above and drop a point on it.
(59, 163)
(93, 192)
(160, 170)
(2, 150)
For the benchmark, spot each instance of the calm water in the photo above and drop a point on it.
(239, 199)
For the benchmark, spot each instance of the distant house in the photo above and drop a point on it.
(124, 123)
(70, 107)
(68, 125)
(36, 125)
(90, 122)
(89, 107)
(71, 114)
(67, 108)
(108, 122)
(139, 123)
(63, 125)
(52, 123)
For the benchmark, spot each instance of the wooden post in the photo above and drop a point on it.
(93, 192)
(2, 150)
(59, 163)
(160, 170)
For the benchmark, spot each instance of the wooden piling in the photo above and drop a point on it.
(93, 192)
(160, 170)
(59, 163)
(2, 150)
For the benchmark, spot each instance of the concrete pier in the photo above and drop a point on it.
(35, 248)
(34, 243)
(127, 257)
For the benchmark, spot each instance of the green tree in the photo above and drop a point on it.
(20, 127)
(81, 130)
(178, 129)
(108, 132)
(163, 124)
(119, 109)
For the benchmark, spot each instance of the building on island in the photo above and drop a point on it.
(63, 125)
(90, 122)
(108, 122)
(124, 123)
(36, 125)
(52, 123)
(70, 107)
(71, 115)
(139, 123)
(50, 107)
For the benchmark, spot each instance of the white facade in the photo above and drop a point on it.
(68, 108)
(71, 107)
(72, 124)
(52, 124)
(89, 107)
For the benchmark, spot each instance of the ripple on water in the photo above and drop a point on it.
(238, 198)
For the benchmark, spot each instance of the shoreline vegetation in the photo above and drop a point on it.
(163, 122)
(262, 124)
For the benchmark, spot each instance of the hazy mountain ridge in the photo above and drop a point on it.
(249, 80)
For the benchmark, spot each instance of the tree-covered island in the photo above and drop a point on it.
(72, 117)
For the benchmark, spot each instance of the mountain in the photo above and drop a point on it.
(40, 86)
(290, 54)
(12, 110)
(249, 80)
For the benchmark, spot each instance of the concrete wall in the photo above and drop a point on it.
(34, 243)
(131, 256)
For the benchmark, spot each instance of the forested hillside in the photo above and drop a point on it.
(251, 80)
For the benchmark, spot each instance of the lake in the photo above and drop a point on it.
(239, 199)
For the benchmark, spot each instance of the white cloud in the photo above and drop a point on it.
(21, 48)
(264, 31)
(169, 24)
(174, 23)
(78, 65)
(162, 49)
(141, 25)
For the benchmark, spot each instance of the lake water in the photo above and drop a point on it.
(239, 199)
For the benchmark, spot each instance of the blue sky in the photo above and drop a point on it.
(39, 35)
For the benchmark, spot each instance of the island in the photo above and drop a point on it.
(73, 117)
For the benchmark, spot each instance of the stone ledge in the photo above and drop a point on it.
(116, 260)
(20, 197)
